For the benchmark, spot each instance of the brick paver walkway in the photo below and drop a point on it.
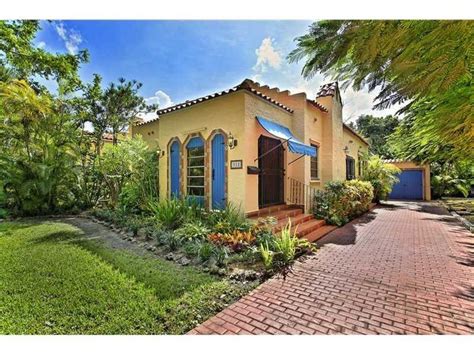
(405, 269)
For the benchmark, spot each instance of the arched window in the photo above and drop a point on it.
(195, 168)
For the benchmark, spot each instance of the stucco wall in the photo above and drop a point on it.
(225, 113)
(235, 113)
(357, 147)
(314, 122)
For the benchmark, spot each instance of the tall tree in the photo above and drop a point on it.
(38, 130)
(37, 160)
(21, 59)
(122, 104)
(377, 130)
(424, 65)
(112, 109)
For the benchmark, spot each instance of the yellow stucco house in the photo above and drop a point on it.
(253, 146)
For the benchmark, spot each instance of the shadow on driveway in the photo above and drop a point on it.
(347, 234)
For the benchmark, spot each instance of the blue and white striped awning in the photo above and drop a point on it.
(282, 132)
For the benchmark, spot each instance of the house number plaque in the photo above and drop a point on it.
(236, 164)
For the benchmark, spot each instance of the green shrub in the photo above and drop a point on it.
(228, 220)
(285, 245)
(360, 195)
(206, 251)
(382, 177)
(279, 253)
(169, 212)
(341, 201)
(221, 255)
(169, 240)
(195, 230)
(452, 179)
(3, 202)
(249, 255)
(103, 214)
(267, 255)
(263, 230)
(194, 209)
(130, 174)
(191, 249)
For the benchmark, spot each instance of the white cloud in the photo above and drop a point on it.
(272, 69)
(267, 56)
(41, 45)
(361, 102)
(162, 99)
(72, 39)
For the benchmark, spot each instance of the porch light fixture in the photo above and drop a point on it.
(346, 150)
(160, 152)
(231, 141)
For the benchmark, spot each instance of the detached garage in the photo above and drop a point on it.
(414, 181)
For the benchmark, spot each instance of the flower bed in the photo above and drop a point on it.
(222, 242)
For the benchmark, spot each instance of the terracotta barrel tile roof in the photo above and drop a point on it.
(318, 105)
(397, 161)
(329, 89)
(245, 85)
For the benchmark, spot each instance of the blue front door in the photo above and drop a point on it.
(174, 169)
(218, 172)
(410, 186)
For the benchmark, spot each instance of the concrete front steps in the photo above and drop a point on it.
(305, 225)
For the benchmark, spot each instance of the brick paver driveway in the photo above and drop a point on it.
(402, 269)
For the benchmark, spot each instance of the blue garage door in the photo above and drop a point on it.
(410, 186)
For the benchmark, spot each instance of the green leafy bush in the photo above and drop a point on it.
(267, 255)
(279, 253)
(452, 179)
(170, 212)
(263, 230)
(285, 245)
(3, 202)
(206, 251)
(221, 255)
(195, 230)
(360, 195)
(227, 220)
(169, 240)
(341, 201)
(381, 175)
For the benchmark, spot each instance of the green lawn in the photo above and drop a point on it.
(54, 282)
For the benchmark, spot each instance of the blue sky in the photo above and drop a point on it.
(180, 60)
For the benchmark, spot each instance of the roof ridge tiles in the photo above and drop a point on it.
(249, 85)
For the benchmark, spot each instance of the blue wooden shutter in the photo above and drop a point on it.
(218, 172)
(175, 169)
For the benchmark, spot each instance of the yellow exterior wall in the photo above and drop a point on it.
(332, 154)
(226, 113)
(408, 165)
(357, 147)
(235, 113)
(314, 121)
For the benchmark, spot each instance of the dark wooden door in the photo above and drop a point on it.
(271, 176)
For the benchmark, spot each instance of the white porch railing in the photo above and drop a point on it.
(300, 194)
